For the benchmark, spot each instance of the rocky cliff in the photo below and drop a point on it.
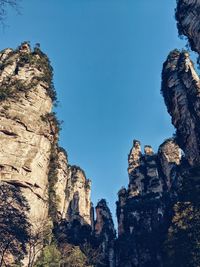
(25, 137)
(158, 214)
(45, 202)
(31, 160)
(187, 16)
(181, 88)
(143, 210)
(105, 234)
(50, 197)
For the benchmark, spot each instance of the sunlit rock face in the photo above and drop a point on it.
(26, 131)
(30, 158)
(33, 165)
(169, 155)
(188, 17)
(27, 134)
(105, 233)
(63, 176)
(25, 137)
(181, 91)
(143, 210)
(134, 156)
(78, 192)
(73, 190)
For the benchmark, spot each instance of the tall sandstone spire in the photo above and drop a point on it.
(156, 181)
(38, 186)
(30, 157)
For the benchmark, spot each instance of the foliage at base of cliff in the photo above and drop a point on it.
(69, 256)
(14, 225)
(182, 245)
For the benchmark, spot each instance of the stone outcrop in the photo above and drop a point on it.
(61, 185)
(143, 208)
(188, 16)
(169, 156)
(134, 156)
(30, 157)
(78, 195)
(181, 89)
(73, 191)
(26, 131)
(143, 172)
(41, 185)
(105, 233)
(25, 136)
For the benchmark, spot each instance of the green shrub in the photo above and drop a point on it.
(36, 59)
(50, 257)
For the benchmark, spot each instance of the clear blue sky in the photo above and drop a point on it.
(107, 57)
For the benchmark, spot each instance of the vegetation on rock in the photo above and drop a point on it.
(14, 224)
(36, 59)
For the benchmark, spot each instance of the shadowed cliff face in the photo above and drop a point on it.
(188, 17)
(105, 233)
(150, 212)
(143, 172)
(181, 91)
(143, 210)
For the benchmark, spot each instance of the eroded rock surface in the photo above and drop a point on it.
(25, 136)
(181, 91)
(188, 17)
(78, 195)
(30, 157)
(143, 208)
(105, 233)
(73, 191)
(34, 167)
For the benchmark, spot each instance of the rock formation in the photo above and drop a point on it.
(105, 233)
(73, 191)
(159, 187)
(30, 158)
(42, 194)
(181, 88)
(26, 138)
(187, 16)
(143, 209)
(78, 195)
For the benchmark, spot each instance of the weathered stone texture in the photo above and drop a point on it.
(143, 210)
(188, 17)
(25, 138)
(78, 190)
(29, 136)
(105, 233)
(181, 91)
